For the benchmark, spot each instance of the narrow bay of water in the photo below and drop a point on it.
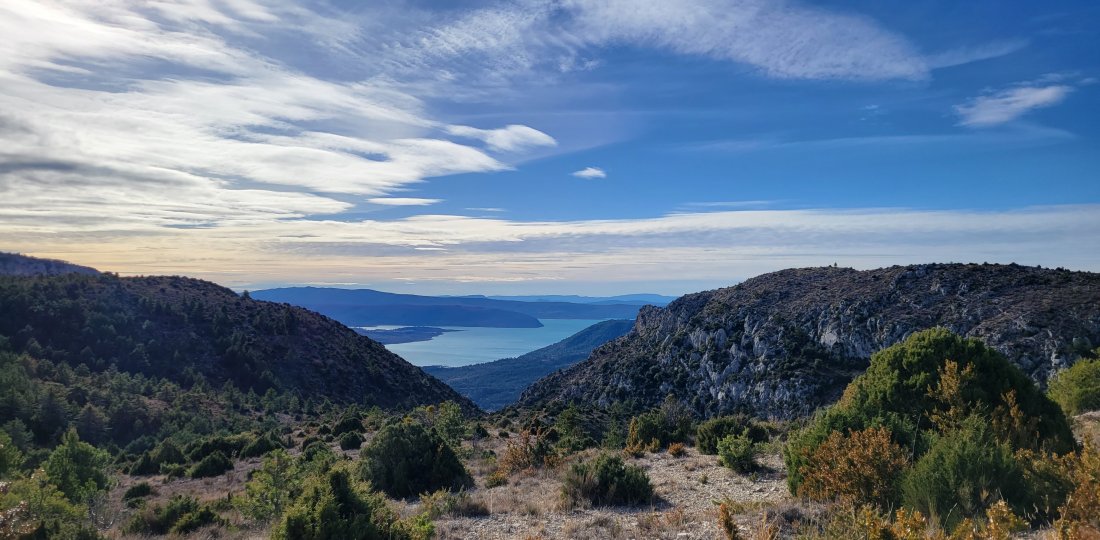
(474, 345)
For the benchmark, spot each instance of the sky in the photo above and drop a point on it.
(547, 146)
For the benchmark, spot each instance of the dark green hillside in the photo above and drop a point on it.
(493, 385)
(14, 264)
(187, 330)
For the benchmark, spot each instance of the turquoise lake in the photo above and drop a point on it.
(468, 345)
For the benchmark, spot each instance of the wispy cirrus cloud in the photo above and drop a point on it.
(403, 201)
(780, 39)
(975, 53)
(195, 105)
(706, 247)
(590, 173)
(508, 139)
(1006, 105)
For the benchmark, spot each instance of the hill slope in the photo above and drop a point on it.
(365, 307)
(14, 264)
(493, 385)
(187, 330)
(785, 343)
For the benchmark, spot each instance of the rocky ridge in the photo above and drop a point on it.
(783, 344)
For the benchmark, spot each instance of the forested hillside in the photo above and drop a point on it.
(186, 331)
(12, 264)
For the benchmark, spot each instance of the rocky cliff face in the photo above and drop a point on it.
(782, 344)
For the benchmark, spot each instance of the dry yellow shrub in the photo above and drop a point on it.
(726, 522)
(1080, 515)
(527, 450)
(860, 468)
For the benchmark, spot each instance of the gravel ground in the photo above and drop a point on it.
(687, 490)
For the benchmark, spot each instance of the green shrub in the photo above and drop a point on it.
(271, 487)
(151, 462)
(335, 506)
(194, 520)
(737, 452)
(317, 457)
(351, 441)
(229, 446)
(77, 468)
(669, 423)
(347, 424)
(571, 432)
(479, 431)
(927, 384)
(171, 471)
(260, 446)
(144, 465)
(142, 489)
(1077, 389)
(182, 514)
(167, 452)
(449, 423)
(963, 474)
(161, 519)
(407, 459)
(606, 481)
(212, 465)
(710, 432)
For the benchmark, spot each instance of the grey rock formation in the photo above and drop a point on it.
(783, 344)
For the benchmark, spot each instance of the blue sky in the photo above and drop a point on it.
(571, 146)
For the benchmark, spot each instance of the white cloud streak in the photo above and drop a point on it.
(1007, 105)
(403, 201)
(716, 247)
(175, 105)
(590, 173)
(507, 139)
(789, 39)
(966, 55)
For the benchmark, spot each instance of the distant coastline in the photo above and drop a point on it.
(407, 334)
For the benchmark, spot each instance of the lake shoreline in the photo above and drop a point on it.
(461, 346)
(404, 334)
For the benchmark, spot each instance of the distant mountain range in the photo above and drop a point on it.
(783, 344)
(645, 299)
(493, 385)
(366, 307)
(187, 330)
